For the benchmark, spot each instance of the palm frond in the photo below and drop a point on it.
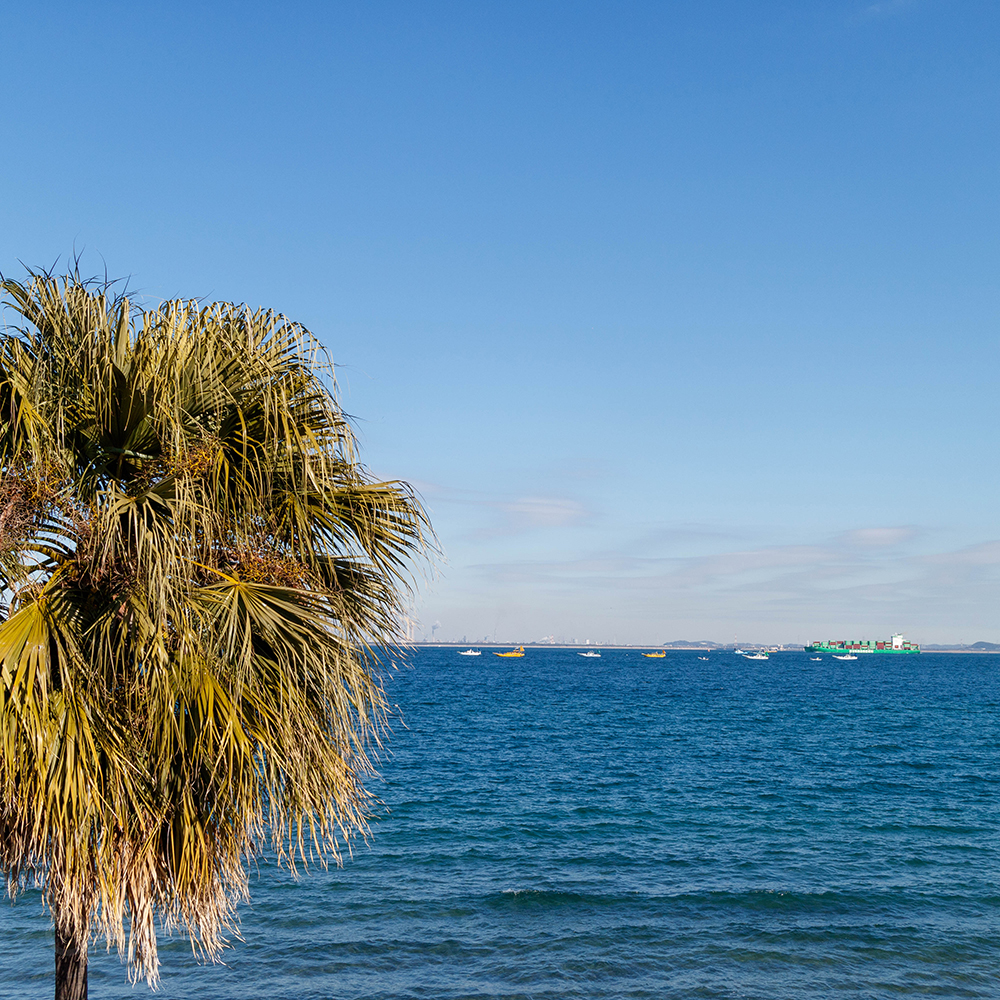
(199, 572)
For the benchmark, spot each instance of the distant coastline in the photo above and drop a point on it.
(976, 648)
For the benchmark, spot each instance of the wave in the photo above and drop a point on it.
(827, 901)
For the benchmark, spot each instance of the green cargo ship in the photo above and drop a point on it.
(897, 644)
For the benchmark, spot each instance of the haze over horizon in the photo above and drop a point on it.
(682, 318)
(430, 638)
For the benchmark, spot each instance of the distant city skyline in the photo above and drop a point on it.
(681, 318)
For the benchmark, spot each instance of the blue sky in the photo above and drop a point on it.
(681, 316)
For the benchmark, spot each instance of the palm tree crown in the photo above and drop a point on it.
(199, 574)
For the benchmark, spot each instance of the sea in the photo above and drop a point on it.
(563, 827)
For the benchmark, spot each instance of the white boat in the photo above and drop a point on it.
(470, 652)
(815, 659)
(739, 652)
(590, 654)
(848, 657)
(702, 657)
(756, 656)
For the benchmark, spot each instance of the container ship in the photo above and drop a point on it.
(897, 644)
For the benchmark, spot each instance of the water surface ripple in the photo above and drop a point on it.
(558, 827)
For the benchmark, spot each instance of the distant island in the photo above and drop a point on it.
(976, 647)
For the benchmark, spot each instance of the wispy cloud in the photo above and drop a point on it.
(878, 538)
(551, 512)
(867, 576)
(525, 558)
(508, 515)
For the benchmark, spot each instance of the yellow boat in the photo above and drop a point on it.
(655, 656)
(514, 652)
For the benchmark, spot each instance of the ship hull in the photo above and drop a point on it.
(823, 648)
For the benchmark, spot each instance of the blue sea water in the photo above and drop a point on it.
(558, 827)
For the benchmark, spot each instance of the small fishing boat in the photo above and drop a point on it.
(590, 654)
(513, 652)
(815, 659)
(759, 655)
(655, 656)
(702, 657)
(848, 657)
(470, 652)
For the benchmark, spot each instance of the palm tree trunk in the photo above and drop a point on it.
(71, 969)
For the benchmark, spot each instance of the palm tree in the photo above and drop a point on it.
(200, 577)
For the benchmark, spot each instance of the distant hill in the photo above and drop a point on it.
(690, 644)
(976, 647)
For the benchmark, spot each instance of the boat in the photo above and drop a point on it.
(895, 644)
(759, 655)
(590, 654)
(702, 657)
(848, 657)
(655, 656)
(513, 652)
(815, 659)
(470, 652)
